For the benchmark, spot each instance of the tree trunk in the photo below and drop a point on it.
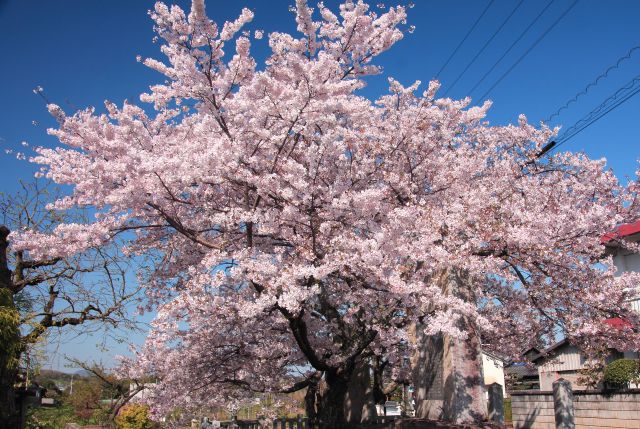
(8, 411)
(10, 340)
(330, 403)
(9, 359)
(311, 401)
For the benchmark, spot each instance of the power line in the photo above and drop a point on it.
(623, 94)
(622, 91)
(593, 83)
(542, 36)
(495, 33)
(511, 47)
(599, 117)
(464, 38)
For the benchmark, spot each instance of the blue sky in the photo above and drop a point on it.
(83, 52)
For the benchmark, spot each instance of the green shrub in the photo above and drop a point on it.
(51, 417)
(134, 416)
(621, 372)
(508, 413)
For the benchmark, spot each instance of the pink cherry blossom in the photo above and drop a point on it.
(292, 227)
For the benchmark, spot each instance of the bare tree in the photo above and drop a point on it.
(83, 293)
(120, 390)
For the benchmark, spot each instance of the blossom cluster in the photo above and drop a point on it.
(291, 224)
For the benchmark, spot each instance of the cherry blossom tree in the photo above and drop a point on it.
(298, 231)
(41, 297)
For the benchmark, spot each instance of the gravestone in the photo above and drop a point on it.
(496, 403)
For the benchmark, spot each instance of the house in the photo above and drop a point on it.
(144, 394)
(564, 360)
(521, 376)
(392, 408)
(623, 259)
(493, 370)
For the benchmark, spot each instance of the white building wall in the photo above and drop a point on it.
(493, 370)
(566, 363)
(568, 359)
(629, 262)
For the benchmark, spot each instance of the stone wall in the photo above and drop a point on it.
(533, 409)
(414, 423)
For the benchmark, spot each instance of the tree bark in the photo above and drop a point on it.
(8, 375)
(342, 398)
(9, 340)
(330, 412)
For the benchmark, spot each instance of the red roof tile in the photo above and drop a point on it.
(618, 323)
(622, 231)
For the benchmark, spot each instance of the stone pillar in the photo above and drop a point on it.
(407, 406)
(464, 393)
(563, 404)
(447, 371)
(496, 403)
(426, 368)
(359, 405)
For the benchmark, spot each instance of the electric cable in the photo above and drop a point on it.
(464, 39)
(526, 30)
(495, 33)
(542, 36)
(599, 117)
(628, 87)
(593, 83)
(622, 95)
(576, 132)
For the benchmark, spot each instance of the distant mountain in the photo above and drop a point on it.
(49, 374)
(58, 377)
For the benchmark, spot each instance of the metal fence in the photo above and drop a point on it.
(291, 423)
(240, 424)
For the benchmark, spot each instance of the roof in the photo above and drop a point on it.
(614, 322)
(622, 231)
(618, 323)
(548, 350)
(494, 356)
(521, 369)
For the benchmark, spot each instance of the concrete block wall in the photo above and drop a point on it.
(593, 409)
(532, 410)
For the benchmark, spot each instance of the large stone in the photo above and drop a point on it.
(496, 403)
(447, 371)
(359, 405)
(563, 404)
(426, 364)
